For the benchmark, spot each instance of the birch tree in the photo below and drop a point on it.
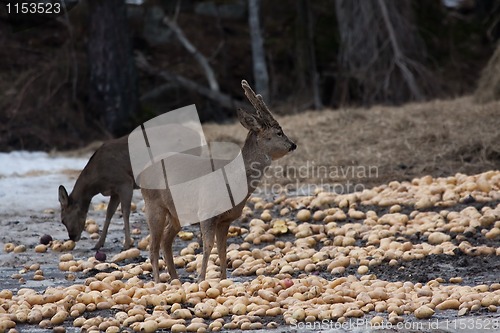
(260, 72)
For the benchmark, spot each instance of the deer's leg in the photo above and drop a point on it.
(112, 205)
(221, 234)
(207, 235)
(156, 218)
(171, 230)
(126, 200)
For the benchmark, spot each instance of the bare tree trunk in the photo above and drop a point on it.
(305, 15)
(260, 73)
(113, 82)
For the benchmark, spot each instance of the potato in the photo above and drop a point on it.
(6, 294)
(438, 238)
(68, 245)
(35, 316)
(448, 304)
(304, 215)
(143, 243)
(59, 318)
(41, 248)
(20, 248)
(92, 228)
(181, 314)
(6, 324)
(66, 257)
(196, 327)
(239, 309)
(185, 235)
(203, 310)
(423, 312)
(212, 292)
(299, 314)
(456, 280)
(177, 328)
(122, 299)
(78, 322)
(113, 329)
(148, 326)
(266, 216)
(363, 269)
(128, 254)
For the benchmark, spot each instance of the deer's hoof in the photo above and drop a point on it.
(129, 244)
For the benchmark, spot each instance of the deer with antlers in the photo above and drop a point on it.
(264, 143)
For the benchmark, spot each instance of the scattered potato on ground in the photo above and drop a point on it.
(297, 259)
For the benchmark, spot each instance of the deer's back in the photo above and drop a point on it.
(109, 168)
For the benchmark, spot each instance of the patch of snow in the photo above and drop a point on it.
(29, 181)
(18, 163)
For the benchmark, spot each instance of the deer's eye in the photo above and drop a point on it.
(279, 134)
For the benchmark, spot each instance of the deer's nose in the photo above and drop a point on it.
(293, 147)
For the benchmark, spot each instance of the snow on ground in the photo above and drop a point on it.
(19, 163)
(29, 180)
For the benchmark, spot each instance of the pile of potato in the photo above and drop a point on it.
(213, 305)
(287, 243)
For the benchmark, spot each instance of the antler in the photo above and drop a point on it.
(258, 103)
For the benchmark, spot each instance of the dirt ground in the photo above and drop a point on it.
(475, 270)
(439, 138)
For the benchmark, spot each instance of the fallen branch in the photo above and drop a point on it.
(221, 98)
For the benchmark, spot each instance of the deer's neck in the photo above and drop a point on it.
(256, 161)
(83, 192)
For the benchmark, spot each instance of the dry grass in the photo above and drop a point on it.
(489, 83)
(439, 138)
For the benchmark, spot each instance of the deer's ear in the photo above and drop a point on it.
(249, 121)
(63, 196)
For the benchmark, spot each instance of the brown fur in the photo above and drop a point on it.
(108, 172)
(265, 142)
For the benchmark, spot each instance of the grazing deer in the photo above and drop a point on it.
(108, 172)
(265, 142)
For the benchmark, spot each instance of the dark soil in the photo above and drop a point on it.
(473, 270)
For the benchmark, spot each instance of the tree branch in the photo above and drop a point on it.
(312, 54)
(209, 73)
(156, 92)
(221, 98)
(398, 55)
